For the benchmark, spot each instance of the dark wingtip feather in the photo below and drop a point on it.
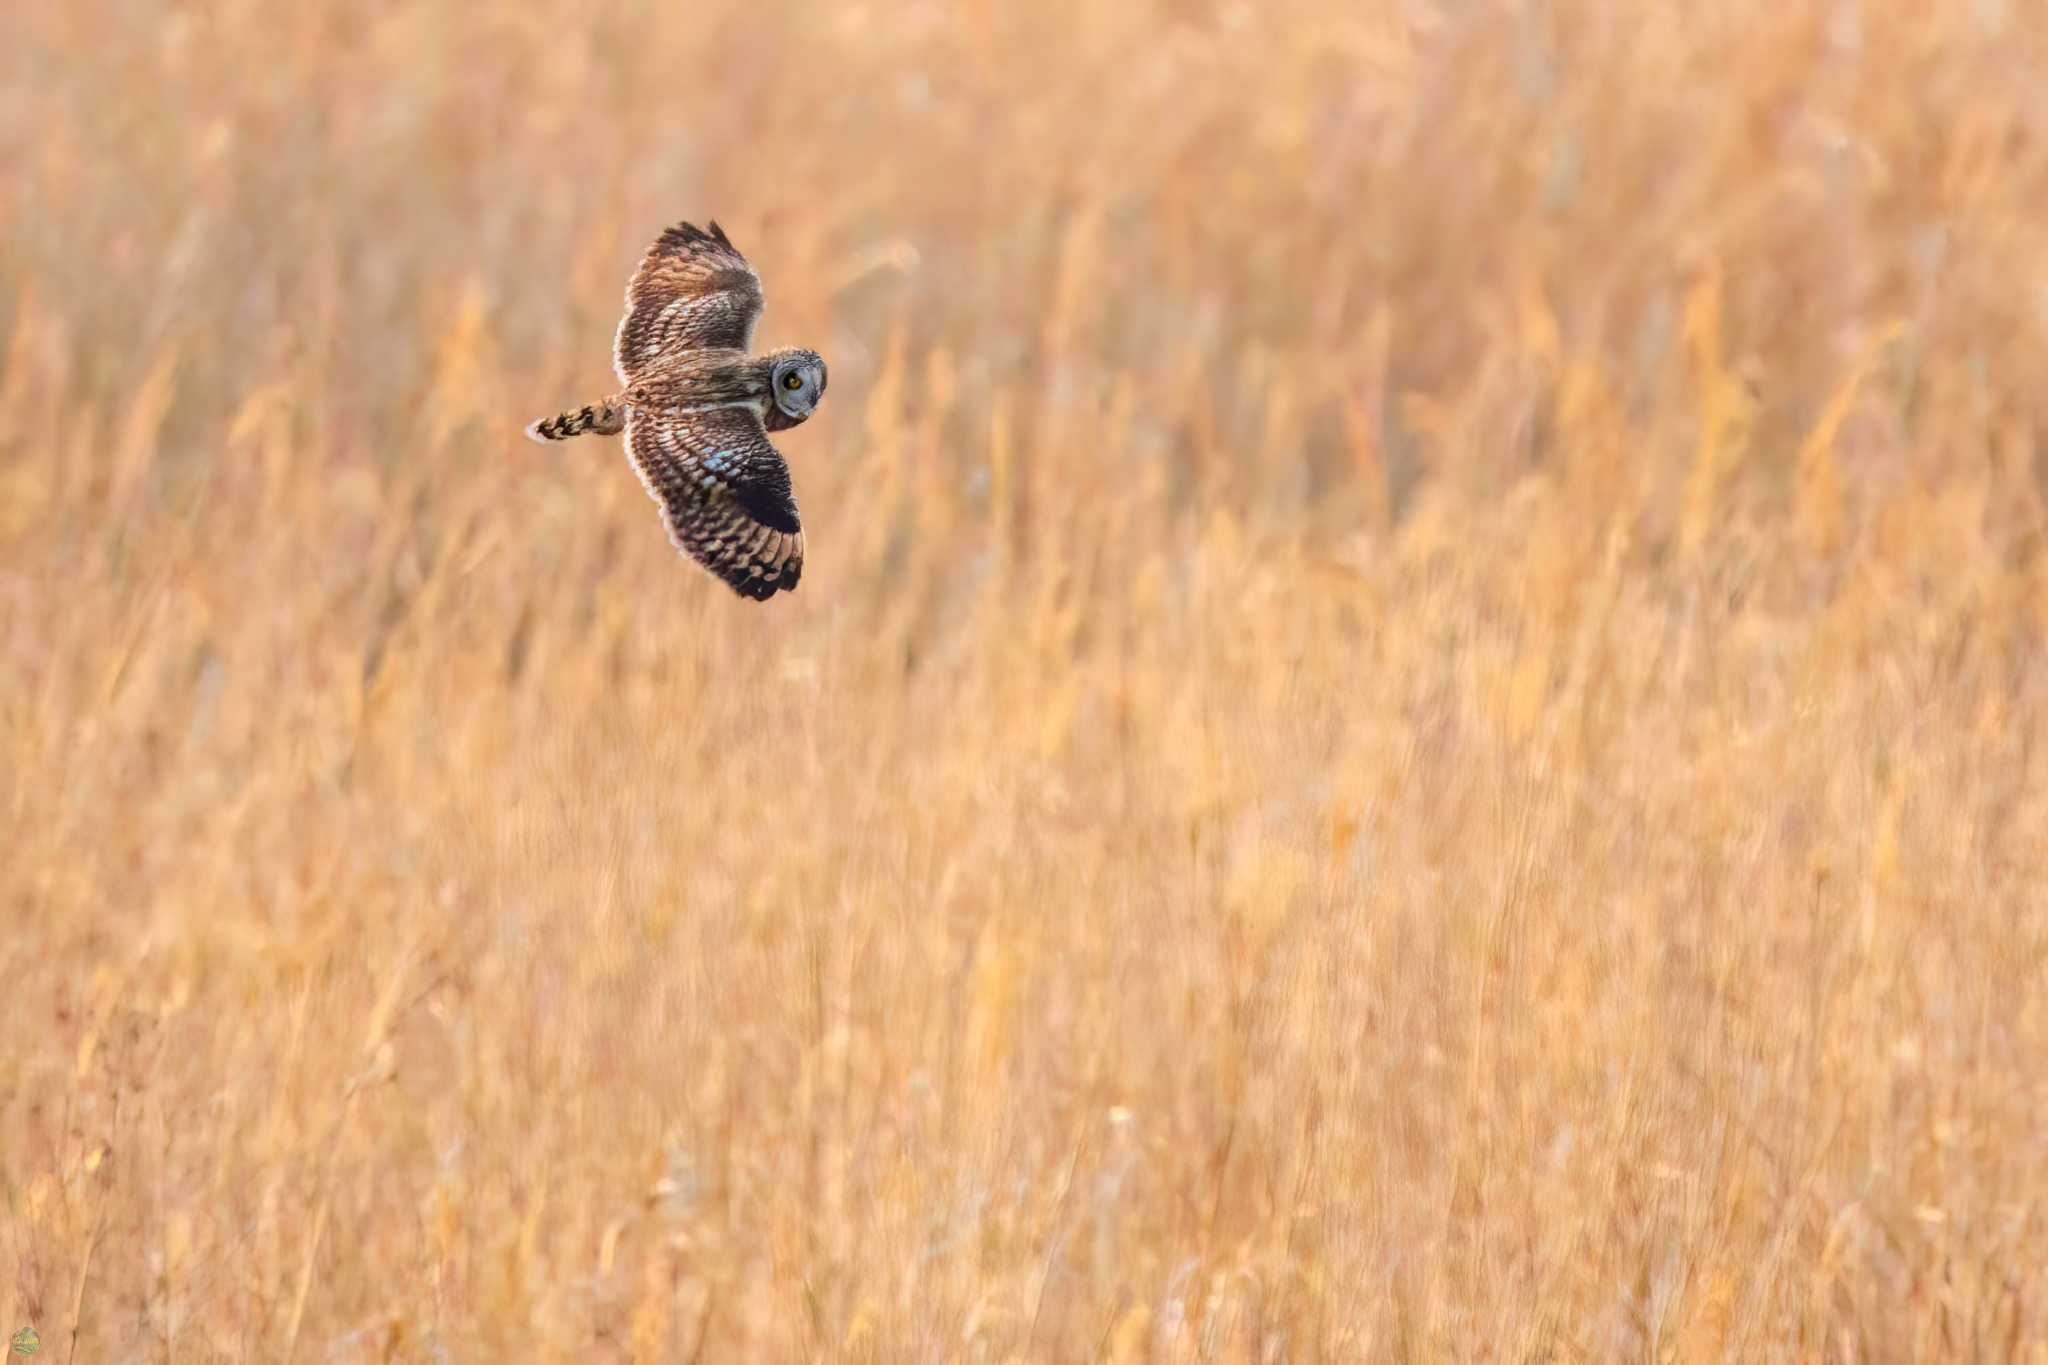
(761, 589)
(686, 235)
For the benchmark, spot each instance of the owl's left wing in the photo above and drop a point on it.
(693, 290)
(724, 494)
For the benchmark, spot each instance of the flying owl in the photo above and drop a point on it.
(697, 410)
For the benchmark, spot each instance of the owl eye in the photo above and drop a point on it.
(792, 381)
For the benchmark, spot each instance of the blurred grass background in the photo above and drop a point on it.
(1412, 730)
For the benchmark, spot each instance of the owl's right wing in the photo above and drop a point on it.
(724, 494)
(693, 290)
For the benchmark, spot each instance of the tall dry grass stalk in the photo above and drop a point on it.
(1414, 729)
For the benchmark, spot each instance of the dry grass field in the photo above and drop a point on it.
(1414, 728)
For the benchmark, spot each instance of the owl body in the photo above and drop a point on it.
(696, 380)
(696, 409)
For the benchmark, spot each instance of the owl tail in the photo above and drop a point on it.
(605, 418)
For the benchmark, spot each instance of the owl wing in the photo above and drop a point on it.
(724, 493)
(693, 290)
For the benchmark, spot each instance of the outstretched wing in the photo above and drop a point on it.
(693, 290)
(724, 493)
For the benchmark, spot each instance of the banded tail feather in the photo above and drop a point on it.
(607, 417)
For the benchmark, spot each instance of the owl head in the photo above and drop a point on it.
(796, 383)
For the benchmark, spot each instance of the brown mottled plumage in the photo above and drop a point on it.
(697, 409)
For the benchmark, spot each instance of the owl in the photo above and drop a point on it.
(697, 409)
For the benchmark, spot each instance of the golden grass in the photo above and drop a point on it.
(1413, 731)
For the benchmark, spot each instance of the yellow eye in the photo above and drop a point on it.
(792, 381)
